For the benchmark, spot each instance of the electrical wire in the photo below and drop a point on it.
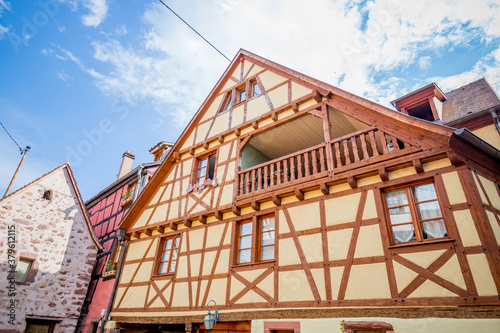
(20, 149)
(222, 54)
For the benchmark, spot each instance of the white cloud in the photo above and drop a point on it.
(175, 69)
(65, 77)
(121, 30)
(5, 5)
(98, 10)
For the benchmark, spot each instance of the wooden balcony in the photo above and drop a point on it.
(352, 151)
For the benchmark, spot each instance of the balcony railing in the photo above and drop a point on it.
(351, 151)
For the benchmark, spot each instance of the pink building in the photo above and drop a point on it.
(106, 210)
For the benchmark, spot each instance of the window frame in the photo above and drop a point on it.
(45, 322)
(161, 250)
(227, 102)
(256, 241)
(196, 170)
(30, 268)
(415, 220)
(253, 83)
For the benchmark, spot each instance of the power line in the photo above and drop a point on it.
(194, 30)
(20, 149)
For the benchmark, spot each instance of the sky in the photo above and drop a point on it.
(83, 81)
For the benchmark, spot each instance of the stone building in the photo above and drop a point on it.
(47, 251)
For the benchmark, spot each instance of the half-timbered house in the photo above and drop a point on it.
(299, 207)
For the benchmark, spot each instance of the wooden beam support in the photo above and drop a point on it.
(221, 138)
(203, 219)
(317, 113)
(205, 145)
(417, 164)
(274, 116)
(454, 158)
(244, 142)
(136, 234)
(353, 183)
(255, 205)
(177, 156)
(236, 211)
(218, 215)
(325, 189)
(299, 194)
(237, 132)
(382, 172)
(276, 200)
(317, 96)
(255, 124)
(188, 223)
(173, 226)
(148, 232)
(127, 237)
(191, 151)
(160, 229)
(295, 107)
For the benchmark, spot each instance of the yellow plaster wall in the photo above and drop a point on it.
(433, 165)
(336, 278)
(135, 297)
(189, 141)
(403, 275)
(270, 79)
(288, 252)
(299, 90)
(370, 211)
(430, 289)
(402, 173)
(180, 293)
(453, 187)
(342, 209)
(368, 181)
(482, 275)
(451, 272)
(195, 264)
(236, 287)
(256, 107)
(144, 273)
(491, 191)
(212, 109)
(157, 195)
(166, 193)
(217, 290)
(159, 214)
(214, 234)
(293, 286)
(305, 216)
(494, 225)
(255, 69)
(489, 134)
(423, 259)
(141, 221)
(369, 242)
(312, 247)
(283, 224)
(466, 228)
(221, 124)
(361, 287)
(128, 272)
(137, 250)
(227, 195)
(319, 279)
(481, 192)
(196, 239)
(202, 132)
(237, 118)
(279, 96)
(267, 285)
(338, 243)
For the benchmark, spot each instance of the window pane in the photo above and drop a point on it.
(267, 253)
(203, 163)
(246, 229)
(168, 244)
(400, 215)
(245, 242)
(200, 180)
(228, 103)
(244, 256)
(176, 242)
(424, 192)
(241, 95)
(38, 328)
(428, 210)
(201, 172)
(267, 238)
(403, 233)
(256, 89)
(22, 270)
(174, 255)
(165, 256)
(434, 229)
(163, 268)
(172, 267)
(396, 198)
(268, 224)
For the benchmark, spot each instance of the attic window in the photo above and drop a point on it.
(227, 102)
(47, 195)
(422, 111)
(255, 88)
(241, 94)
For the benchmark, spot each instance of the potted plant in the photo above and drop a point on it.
(110, 270)
(127, 197)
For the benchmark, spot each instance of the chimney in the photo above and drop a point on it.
(127, 160)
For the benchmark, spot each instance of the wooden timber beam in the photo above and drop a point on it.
(236, 211)
(317, 96)
(173, 226)
(188, 223)
(218, 215)
(383, 174)
(417, 164)
(325, 189)
(160, 229)
(203, 219)
(255, 205)
(276, 200)
(299, 194)
(353, 183)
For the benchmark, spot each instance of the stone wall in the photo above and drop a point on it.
(54, 234)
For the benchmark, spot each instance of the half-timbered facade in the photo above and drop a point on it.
(299, 207)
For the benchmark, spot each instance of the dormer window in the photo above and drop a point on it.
(424, 103)
(241, 94)
(227, 102)
(422, 111)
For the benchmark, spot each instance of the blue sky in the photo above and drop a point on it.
(82, 81)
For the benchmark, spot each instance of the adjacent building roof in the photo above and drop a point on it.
(468, 100)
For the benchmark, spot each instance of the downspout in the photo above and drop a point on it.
(495, 119)
(120, 234)
(139, 182)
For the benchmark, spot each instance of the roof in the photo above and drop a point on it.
(468, 100)
(77, 192)
(439, 93)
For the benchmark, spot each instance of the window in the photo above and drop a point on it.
(255, 240)
(206, 169)
(47, 195)
(241, 94)
(169, 255)
(118, 254)
(415, 213)
(40, 325)
(227, 102)
(23, 269)
(255, 88)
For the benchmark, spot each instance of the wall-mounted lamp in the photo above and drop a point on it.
(210, 320)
